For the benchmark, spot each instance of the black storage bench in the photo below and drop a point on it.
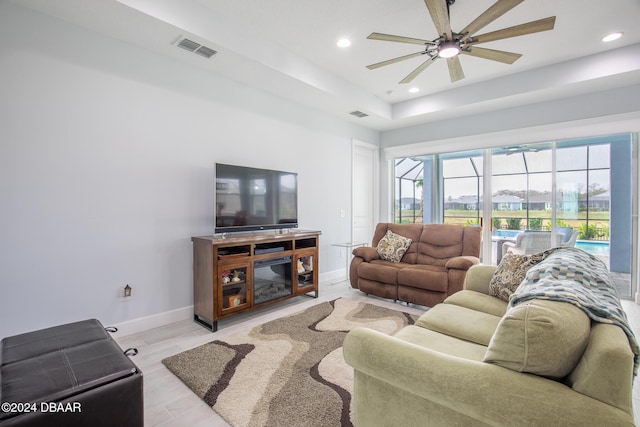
(68, 375)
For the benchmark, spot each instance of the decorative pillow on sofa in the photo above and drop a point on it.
(541, 337)
(392, 246)
(511, 272)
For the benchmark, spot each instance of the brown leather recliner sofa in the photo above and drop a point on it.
(433, 267)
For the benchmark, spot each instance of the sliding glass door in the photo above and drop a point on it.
(522, 194)
(462, 184)
(572, 193)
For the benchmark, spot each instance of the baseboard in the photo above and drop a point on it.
(332, 276)
(135, 326)
(154, 321)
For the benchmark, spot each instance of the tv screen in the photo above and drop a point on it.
(254, 199)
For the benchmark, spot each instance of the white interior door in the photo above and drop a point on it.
(365, 191)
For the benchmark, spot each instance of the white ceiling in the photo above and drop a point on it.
(288, 47)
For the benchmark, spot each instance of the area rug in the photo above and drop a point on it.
(287, 372)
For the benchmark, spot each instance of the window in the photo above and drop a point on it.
(522, 187)
(462, 188)
(592, 179)
(583, 189)
(409, 181)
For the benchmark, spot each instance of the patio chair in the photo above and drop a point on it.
(531, 242)
(567, 236)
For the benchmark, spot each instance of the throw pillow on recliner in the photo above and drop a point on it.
(393, 246)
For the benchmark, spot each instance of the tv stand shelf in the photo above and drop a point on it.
(234, 274)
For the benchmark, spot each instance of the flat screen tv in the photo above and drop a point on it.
(248, 199)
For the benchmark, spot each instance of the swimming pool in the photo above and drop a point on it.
(593, 247)
(507, 233)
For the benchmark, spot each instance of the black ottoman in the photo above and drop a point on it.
(68, 375)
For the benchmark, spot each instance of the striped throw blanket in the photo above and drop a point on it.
(579, 278)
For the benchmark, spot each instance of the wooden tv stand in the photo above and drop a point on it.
(234, 274)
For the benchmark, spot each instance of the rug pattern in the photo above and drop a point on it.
(289, 371)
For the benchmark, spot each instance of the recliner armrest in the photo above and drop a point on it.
(367, 253)
(462, 262)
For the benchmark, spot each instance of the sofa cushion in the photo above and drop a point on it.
(393, 246)
(428, 277)
(379, 289)
(442, 343)
(380, 271)
(479, 302)
(510, 273)
(460, 322)
(541, 337)
(440, 242)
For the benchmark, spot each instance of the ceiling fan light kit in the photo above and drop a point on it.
(450, 44)
(448, 49)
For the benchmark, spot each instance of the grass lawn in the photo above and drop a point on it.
(598, 218)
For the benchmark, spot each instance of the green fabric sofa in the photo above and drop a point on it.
(436, 373)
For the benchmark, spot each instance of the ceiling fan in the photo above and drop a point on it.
(449, 44)
(515, 149)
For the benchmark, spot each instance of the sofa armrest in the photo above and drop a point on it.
(476, 389)
(367, 253)
(478, 278)
(462, 262)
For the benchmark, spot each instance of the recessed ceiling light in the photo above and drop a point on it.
(414, 90)
(611, 37)
(344, 43)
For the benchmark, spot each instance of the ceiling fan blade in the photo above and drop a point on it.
(400, 39)
(440, 16)
(498, 9)
(493, 55)
(418, 70)
(515, 31)
(394, 60)
(455, 69)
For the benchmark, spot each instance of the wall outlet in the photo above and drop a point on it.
(125, 292)
(342, 213)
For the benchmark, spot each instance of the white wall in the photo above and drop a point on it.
(106, 171)
(597, 113)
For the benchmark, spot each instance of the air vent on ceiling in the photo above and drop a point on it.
(358, 114)
(196, 48)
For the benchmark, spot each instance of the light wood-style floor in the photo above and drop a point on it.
(168, 402)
